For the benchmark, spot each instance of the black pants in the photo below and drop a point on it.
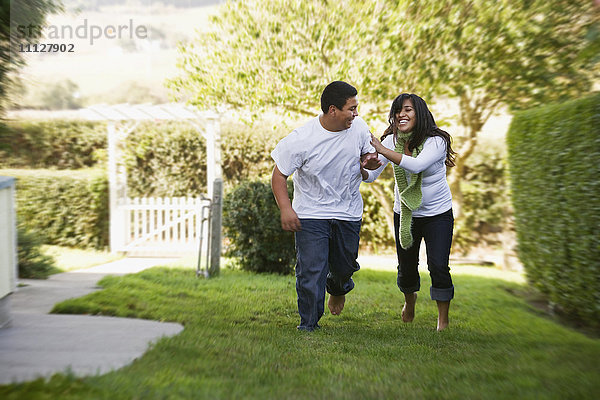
(437, 232)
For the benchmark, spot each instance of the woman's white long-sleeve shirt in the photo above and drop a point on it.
(437, 197)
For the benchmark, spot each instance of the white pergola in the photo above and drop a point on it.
(124, 118)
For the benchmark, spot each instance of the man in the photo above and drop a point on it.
(325, 157)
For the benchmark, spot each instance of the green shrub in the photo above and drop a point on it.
(486, 200)
(554, 158)
(247, 150)
(67, 209)
(252, 224)
(61, 144)
(377, 229)
(33, 264)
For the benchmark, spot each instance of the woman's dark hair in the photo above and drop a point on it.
(336, 94)
(424, 127)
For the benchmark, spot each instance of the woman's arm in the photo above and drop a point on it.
(434, 149)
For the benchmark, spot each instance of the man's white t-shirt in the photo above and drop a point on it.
(326, 168)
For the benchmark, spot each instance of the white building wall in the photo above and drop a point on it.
(8, 246)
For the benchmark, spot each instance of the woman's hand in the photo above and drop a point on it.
(377, 144)
(384, 151)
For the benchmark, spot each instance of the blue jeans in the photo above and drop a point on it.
(326, 253)
(437, 232)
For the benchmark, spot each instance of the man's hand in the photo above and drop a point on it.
(370, 161)
(290, 221)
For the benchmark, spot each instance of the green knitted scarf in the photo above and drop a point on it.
(410, 193)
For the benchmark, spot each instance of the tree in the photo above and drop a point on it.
(516, 54)
(485, 54)
(278, 53)
(61, 95)
(21, 23)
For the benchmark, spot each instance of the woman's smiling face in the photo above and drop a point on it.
(406, 118)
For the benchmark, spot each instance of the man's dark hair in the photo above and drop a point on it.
(336, 94)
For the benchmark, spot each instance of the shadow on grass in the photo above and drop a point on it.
(543, 307)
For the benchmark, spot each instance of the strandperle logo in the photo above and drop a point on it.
(85, 30)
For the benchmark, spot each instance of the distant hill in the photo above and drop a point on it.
(111, 70)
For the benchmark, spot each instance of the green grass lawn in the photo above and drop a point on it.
(240, 342)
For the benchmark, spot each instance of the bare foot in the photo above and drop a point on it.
(336, 304)
(441, 325)
(408, 311)
(443, 307)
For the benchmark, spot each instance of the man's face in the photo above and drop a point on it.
(346, 115)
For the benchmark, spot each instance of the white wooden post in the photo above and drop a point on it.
(213, 152)
(217, 197)
(117, 190)
(210, 159)
(217, 162)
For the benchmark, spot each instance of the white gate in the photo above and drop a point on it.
(160, 226)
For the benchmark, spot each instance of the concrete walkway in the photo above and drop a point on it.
(37, 344)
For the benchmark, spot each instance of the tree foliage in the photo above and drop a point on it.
(516, 54)
(485, 55)
(282, 52)
(21, 22)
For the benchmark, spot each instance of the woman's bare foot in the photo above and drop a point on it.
(443, 307)
(336, 304)
(408, 311)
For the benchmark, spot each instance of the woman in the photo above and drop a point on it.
(420, 153)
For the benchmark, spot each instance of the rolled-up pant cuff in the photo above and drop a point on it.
(409, 289)
(438, 294)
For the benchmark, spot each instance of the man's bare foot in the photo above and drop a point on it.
(336, 304)
(443, 307)
(408, 311)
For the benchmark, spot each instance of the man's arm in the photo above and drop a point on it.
(289, 218)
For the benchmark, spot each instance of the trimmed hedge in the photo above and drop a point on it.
(165, 159)
(66, 209)
(169, 158)
(377, 228)
(62, 144)
(554, 162)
